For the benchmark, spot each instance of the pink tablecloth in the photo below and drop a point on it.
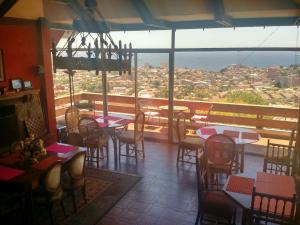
(208, 131)
(45, 163)
(60, 148)
(7, 173)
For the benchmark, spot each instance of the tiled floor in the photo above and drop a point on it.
(167, 194)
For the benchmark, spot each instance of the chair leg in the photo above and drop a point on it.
(97, 153)
(50, 213)
(178, 154)
(197, 218)
(135, 153)
(83, 190)
(119, 151)
(63, 207)
(143, 148)
(107, 151)
(74, 200)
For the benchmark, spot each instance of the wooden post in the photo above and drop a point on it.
(135, 82)
(171, 87)
(297, 145)
(104, 79)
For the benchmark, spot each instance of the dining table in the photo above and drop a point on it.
(21, 175)
(239, 188)
(240, 135)
(113, 126)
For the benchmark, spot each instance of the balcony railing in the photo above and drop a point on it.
(273, 122)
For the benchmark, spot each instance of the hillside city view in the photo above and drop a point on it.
(275, 85)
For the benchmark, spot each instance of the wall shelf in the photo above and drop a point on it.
(17, 95)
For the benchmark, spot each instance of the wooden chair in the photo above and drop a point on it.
(76, 177)
(220, 152)
(279, 158)
(213, 205)
(188, 147)
(94, 139)
(51, 187)
(131, 139)
(271, 209)
(72, 118)
(149, 110)
(202, 117)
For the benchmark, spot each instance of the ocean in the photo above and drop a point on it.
(215, 61)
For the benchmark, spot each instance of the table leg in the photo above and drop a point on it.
(242, 158)
(114, 140)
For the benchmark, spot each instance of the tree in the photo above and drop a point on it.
(278, 84)
(245, 97)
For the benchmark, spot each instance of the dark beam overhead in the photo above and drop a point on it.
(147, 16)
(5, 6)
(86, 21)
(219, 13)
(196, 24)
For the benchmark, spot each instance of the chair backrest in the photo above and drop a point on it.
(139, 125)
(181, 127)
(72, 118)
(293, 136)
(76, 166)
(51, 179)
(88, 128)
(220, 149)
(278, 159)
(202, 182)
(272, 209)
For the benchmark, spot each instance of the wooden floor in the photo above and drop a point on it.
(167, 194)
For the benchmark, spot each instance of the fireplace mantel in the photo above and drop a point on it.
(18, 95)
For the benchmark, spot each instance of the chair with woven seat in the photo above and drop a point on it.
(132, 138)
(220, 152)
(279, 157)
(94, 139)
(213, 204)
(204, 117)
(72, 118)
(76, 177)
(272, 209)
(51, 187)
(188, 147)
(149, 110)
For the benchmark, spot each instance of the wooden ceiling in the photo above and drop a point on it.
(157, 14)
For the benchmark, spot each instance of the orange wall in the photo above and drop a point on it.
(26, 45)
(19, 44)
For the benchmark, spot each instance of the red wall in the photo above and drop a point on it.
(19, 44)
(25, 46)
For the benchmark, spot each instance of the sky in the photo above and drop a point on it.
(221, 37)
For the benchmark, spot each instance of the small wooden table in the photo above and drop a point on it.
(239, 188)
(241, 136)
(111, 124)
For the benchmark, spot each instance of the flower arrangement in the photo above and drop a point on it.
(30, 148)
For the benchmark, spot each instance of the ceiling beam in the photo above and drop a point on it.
(147, 16)
(220, 14)
(86, 21)
(5, 6)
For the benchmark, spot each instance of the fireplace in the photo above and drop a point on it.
(8, 125)
(17, 110)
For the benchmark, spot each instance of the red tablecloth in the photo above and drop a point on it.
(60, 148)
(230, 133)
(251, 136)
(241, 185)
(277, 185)
(45, 163)
(11, 159)
(7, 173)
(208, 131)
